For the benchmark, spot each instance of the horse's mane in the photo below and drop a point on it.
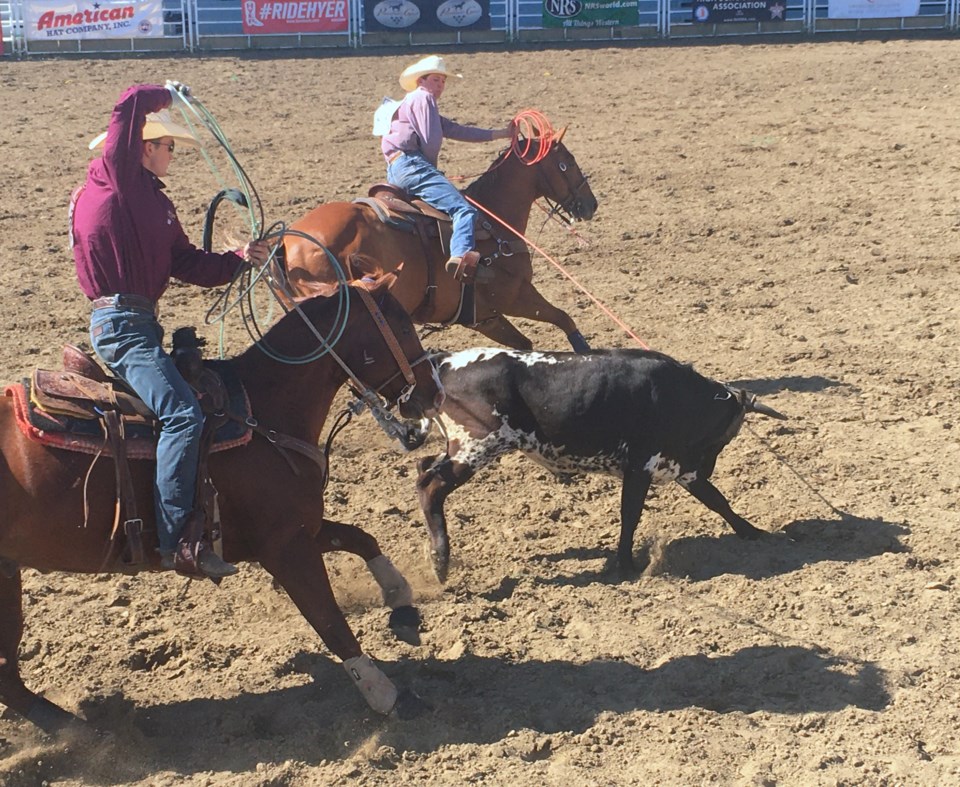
(492, 174)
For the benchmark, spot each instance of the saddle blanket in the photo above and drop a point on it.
(87, 435)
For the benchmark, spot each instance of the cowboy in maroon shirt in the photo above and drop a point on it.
(127, 244)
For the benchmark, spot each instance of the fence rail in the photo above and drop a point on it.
(210, 25)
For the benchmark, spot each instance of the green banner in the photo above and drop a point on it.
(589, 13)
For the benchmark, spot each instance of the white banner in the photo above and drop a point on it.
(66, 20)
(872, 9)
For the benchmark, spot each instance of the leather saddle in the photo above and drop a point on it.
(402, 211)
(83, 391)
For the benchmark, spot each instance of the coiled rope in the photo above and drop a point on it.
(240, 292)
(532, 136)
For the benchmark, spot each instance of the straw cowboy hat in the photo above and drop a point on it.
(431, 64)
(159, 124)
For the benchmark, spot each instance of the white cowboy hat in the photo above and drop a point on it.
(159, 124)
(431, 64)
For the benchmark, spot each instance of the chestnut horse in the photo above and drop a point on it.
(271, 501)
(363, 244)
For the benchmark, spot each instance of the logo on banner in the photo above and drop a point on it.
(562, 9)
(250, 14)
(396, 13)
(459, 13)
(718, 11)
(294, 16)
(74, 20)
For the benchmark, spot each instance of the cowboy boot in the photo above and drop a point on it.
(197, 559)
(194, 557)
(464, 268)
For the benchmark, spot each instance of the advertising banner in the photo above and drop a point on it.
(262, 17)
(425, 15)
(590, 13)
(716, 11)
(872, 9)
(66, 20)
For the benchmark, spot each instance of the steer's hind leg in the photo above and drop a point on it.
(713, 499)
(439, 476)
(636, 484)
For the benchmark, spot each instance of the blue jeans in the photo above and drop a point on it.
(414, 174)
(130, 342)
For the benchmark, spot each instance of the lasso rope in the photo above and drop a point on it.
(240, 291)
(194, 115)
(530, 126)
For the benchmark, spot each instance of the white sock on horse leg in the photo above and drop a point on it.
(377, 689)
(396, 590)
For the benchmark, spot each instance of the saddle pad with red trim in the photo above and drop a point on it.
(87, 435)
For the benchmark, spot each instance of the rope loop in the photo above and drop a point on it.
(532, 136)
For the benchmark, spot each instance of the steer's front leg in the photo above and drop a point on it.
(713, 499)
(636, 484)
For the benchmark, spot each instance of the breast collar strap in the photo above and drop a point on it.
(285, 443)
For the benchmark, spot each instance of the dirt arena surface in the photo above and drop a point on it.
(784, 216)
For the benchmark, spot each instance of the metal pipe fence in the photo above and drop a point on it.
(211, 25)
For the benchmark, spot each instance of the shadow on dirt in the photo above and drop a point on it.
(771, 385)
(474, 700)
(798, 544)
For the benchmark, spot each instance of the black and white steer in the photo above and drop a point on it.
(636, 414)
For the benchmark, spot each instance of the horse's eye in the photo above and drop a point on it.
(563, 167)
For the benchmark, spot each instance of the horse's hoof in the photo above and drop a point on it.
(405, 624)
(52, 719)
(441, 567)
(414, 434)
(410, 705)
(578, 342)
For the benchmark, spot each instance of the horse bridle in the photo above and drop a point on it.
(373, 398)
(566, 210)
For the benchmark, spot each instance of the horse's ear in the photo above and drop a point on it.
(379, 283)
(559, 136)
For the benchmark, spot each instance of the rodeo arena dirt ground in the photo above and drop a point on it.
(783, 216)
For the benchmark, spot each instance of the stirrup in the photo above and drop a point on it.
(463, 269)
(196, 559)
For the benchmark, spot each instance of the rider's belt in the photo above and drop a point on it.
(125, 302)
(394, 156)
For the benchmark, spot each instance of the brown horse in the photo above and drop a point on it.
(271, 502)
(364, 244)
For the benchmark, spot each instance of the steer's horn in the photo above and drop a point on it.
(751, 404)
(559, 135)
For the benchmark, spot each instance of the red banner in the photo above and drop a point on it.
(294, 16)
